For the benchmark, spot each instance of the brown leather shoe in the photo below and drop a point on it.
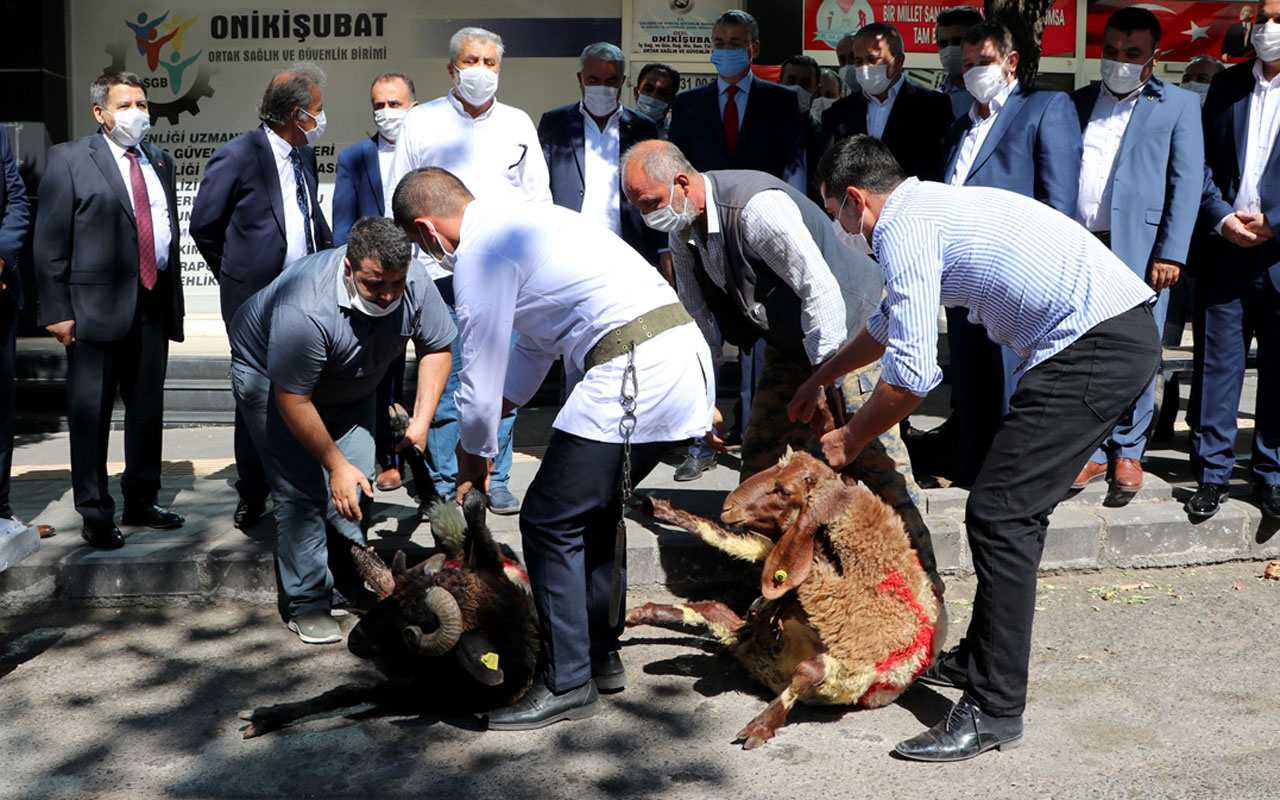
(1092, 471)
(389, 480)
(1128, 476)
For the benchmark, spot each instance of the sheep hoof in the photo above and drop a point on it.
(247, 714)
(753, 742)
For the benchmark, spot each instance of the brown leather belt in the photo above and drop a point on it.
(639, 330)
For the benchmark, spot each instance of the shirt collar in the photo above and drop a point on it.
(995, 105)
(1261, 78)
(893, 92)
(118, 152)
(384, 146)
(713, 219)
(744, 85)
(452, 97)
(279, 146)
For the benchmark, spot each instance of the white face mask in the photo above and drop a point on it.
(857, 242)
(600, 101)
(447, 261)
(666, 219)
(1201, 89)
(476, 85)
(363, 304)
(651, 107)
(819, 105)
(315, 133)
(984, 83)
(131, 127)
(1121, 77)
(1266, 41)
(805, 97)
(389, 122)
(849, 74)
(952, 59)
(873, 79)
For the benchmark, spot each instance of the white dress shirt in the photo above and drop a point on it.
(295, 227)
(974, 138)
(155, 195)
(497, 155)
(601, 195)
(1264, 123)
(562, 284)
(775, 232)
(878, 111)
(744, 91)
(386, 152)
(1102, 138)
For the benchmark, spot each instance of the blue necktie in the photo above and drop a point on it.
(300, 186)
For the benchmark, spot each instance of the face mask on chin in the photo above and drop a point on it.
(364, 305)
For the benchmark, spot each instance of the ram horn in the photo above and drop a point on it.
(446, 635)
(372, 569)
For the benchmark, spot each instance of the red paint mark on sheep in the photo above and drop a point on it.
(894, 584)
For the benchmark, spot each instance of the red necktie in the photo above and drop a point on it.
(142, 217)
(731, 119)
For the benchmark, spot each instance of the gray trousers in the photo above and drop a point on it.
(300, 485)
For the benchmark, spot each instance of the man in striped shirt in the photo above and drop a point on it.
(1081, 321)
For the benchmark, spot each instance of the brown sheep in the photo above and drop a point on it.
(846, 614)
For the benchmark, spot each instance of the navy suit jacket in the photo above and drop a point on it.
(917, 124)
(1033, 148)
(357, 191)
(1226, 128)
(15, 221)
(770, 140)
(237, 220)
(563, 146)
(86, 242)
(1157, 176)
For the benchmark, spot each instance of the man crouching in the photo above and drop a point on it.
(307, 353)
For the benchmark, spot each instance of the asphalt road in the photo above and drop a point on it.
(1157, 683)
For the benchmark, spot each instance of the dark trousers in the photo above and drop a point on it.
(135, 366)
(569, 523)
(977, 392)
(390, 390)
(8, 356)
(1064, 407)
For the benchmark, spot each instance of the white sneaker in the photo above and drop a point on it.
(316, 627)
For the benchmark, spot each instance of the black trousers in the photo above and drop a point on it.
(1063, 408)
(8, 357)
(135, 366)
(568, 525)
(251, 476)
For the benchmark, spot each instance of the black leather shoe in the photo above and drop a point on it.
(1269, 499)
(1206, 501)
(947, 671)
(965, 732)
(608, 672)
(108, 536)
(152, 516)
(540, 707)
(247, 514)
(693, 466)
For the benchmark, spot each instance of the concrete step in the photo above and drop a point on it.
(951, 500)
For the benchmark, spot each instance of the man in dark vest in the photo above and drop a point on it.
(759, 259)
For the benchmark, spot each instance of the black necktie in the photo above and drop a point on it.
(300, 186)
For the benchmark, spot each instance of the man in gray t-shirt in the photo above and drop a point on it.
(307, 353)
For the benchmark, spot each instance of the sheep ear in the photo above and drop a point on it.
(790, 560)
(479, 658)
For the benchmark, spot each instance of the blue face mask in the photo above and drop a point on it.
(731, 62)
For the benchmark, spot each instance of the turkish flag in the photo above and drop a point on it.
(1189, 29)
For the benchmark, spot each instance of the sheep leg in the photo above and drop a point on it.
(809, 673)
(270, 718)
(747, 546)
(374, 570)
(716, 617)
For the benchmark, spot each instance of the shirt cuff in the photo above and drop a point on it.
(1218, 228)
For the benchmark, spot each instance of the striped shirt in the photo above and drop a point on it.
(1030, 275)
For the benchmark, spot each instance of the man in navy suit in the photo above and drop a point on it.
(738, 122)
(1239, 296)
(1026, 141)
(110, 289)
(358, 192)
(910, 119)
(1140, 185)
(584, 141)
(256, 213)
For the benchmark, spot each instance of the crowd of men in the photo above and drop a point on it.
(818, 224)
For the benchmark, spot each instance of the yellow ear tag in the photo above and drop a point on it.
(780, 576)
(490, 660)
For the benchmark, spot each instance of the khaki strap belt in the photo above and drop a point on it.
(638, 331)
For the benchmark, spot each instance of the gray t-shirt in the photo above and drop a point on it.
(302, 332)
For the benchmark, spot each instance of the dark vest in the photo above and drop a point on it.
(758, 304)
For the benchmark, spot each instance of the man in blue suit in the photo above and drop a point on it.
(584, 141)
(738, 122)
(1140, 184)
(1239, 296)
(358, 192)
(910, 119)
(256, 213)
(1022, 140)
